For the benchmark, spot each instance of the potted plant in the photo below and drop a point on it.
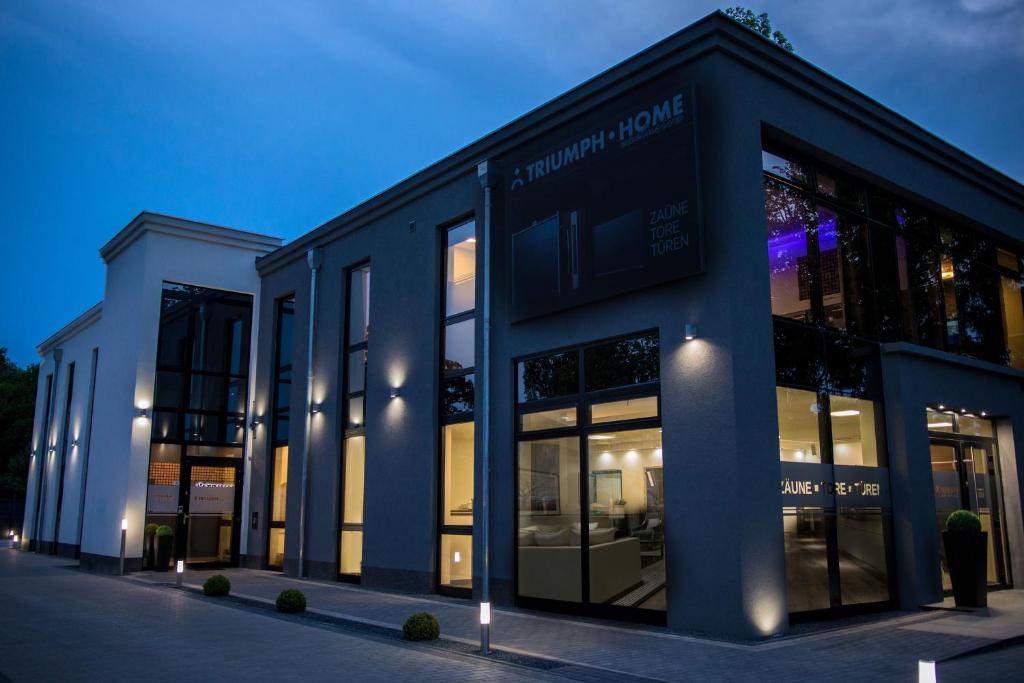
(967, 558)
(149, 545)
(164, 547)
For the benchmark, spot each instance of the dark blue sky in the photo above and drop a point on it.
(276, 116)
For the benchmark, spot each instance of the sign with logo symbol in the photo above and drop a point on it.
(606, 204)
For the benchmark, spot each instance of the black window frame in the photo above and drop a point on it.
(582, 400)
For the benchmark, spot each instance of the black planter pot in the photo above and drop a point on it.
(164, 548)
(967, 559)
(149, 551)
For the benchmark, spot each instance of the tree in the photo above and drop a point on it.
(17, 408)
(760, 24)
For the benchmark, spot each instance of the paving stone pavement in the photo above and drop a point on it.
(61, 624)
(879, 650)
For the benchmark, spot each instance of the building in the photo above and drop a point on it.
(745, 335)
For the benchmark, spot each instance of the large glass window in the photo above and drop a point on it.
(353, 456)
(199, 408)
(835, 513)
(589, 420)
(280, 432)
(458, 329)
(846, 255)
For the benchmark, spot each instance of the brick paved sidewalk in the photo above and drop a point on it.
(884, 649)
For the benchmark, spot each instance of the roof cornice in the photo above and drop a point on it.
(70, 330)
(715, 32)
(148, 221)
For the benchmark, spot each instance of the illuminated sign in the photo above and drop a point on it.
(606, 204)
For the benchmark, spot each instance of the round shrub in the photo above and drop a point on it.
(164, 530)
(216, 586)
(291, 600)
(963, 522)
(421, 626)
(151, 529)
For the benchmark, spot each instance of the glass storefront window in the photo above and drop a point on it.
(784, 168)
(974, 425)
(790, 217)
(549, 419)
(863, 573)
(359, 305)
(355, 463)
(459, 349)
(807, 582)
(1013, 318)
(549, 513)
(275, 548)
(550, 376)
(351, 560)
(626, 530)
(628, 409)
(939, 421)
(799, 438)
(279, 485)
(460, 284)
(457, 561)
(622, 363)
(458, 474)
(854, 440)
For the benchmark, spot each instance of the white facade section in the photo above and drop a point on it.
(149, 251)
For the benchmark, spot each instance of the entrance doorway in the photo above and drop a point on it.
(209, 512)
(965, 476)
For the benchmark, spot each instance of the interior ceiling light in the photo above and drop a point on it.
(845, 413)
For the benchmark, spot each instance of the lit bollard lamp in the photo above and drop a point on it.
(124, 539)
(485, 628)
(179, 571)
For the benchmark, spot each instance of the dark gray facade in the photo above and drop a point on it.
(724, 535)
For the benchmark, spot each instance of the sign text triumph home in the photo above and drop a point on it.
(606, 204)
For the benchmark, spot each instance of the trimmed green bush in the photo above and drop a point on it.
(217, 586)
(291, 601)
(164, 530)
(421, 626)
(151, 529)
(963, 522)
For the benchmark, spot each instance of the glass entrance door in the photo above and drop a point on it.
(964, 477)
(210, 511)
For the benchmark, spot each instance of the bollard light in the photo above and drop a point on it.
(926, 671)
(124, 524)
(179, 570)
(15, 539)
(124, 539)
(485, 613)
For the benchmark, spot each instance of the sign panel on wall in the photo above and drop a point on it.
(607, 204)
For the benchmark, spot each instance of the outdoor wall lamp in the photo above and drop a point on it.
(143, 413)
(393, 392)
(74, 443)
(689, 332)
(314, 408)
(257, 420)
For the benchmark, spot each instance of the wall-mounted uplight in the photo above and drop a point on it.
(689, 332)
(257, 420)
(74, 443)
(314, 408)
(143, 413)
(393, 392)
